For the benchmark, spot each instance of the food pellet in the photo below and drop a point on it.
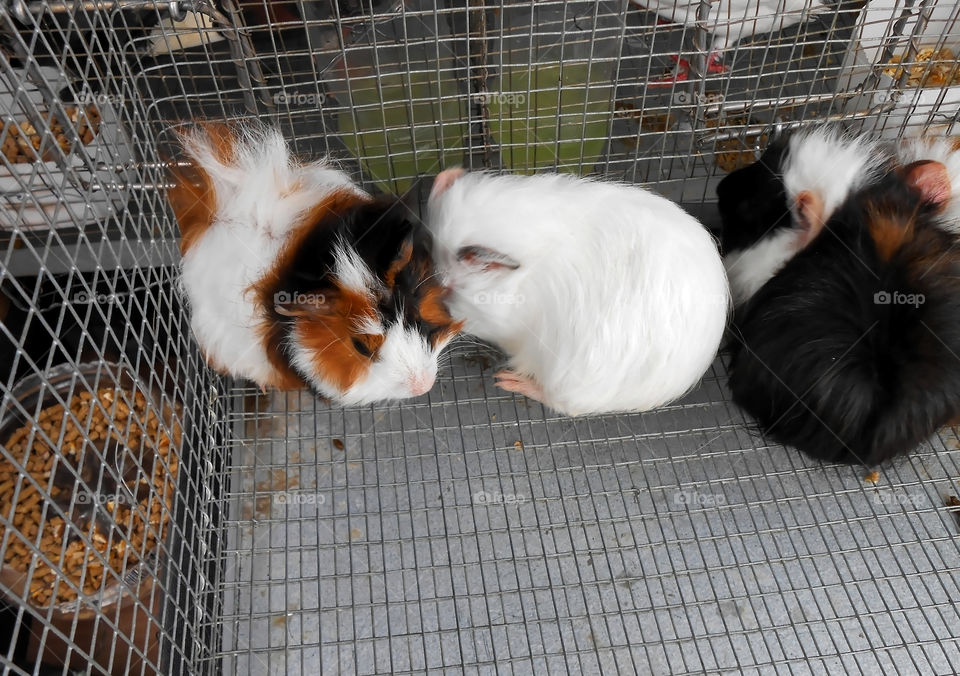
(37, 523)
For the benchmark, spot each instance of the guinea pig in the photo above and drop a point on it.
(605, 297)
(295, 277)
(777, 206)
(848, 351)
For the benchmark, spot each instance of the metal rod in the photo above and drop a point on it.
(760, 129)
(23, 10)
(244, 58)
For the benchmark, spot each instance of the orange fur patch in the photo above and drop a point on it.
(406, 253)
(955, 143)
(194, 203)
(432, 308)
(193, 198)
(446, 333)
(330, 339)
(888, 234)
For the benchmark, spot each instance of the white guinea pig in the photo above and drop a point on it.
(606, 297)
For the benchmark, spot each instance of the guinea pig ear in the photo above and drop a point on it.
(930, 179)
(444, 180)
(811, 217)
(485, 260)
(297, 305)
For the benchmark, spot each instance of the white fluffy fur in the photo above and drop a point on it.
(938, 149)
(261, 195)
(620, 299)
(831, 164)
(822, 160)
(749, 269)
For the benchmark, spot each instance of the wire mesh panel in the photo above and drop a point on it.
(157, 518)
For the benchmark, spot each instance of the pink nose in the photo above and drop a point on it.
(420, 384)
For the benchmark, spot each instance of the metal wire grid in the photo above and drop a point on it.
(472, 531)
(86, 278)
(672, 541)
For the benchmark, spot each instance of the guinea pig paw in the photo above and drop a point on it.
(514, 382)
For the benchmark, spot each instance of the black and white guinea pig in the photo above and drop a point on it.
(845, 348)
(605, 297)
(777, 205)
(295, 277)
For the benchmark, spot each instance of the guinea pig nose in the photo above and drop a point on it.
(420, 384)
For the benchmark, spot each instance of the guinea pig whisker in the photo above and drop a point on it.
(426, 279)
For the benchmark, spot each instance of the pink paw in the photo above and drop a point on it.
(514, 382)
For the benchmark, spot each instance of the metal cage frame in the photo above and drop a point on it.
(465, 531)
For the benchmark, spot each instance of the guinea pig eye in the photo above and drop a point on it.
(361, 347)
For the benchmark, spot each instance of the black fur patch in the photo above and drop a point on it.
(377, 230)
(753, 200)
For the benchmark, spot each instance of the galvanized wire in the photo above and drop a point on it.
(467, 530)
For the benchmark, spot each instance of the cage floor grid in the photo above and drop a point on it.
(469, 531)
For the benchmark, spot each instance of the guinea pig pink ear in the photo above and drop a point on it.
(930, 179)
(314, 304)
(444, 180)
(810, 211)
(486, 260)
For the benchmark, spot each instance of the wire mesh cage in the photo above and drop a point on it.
(158, 518)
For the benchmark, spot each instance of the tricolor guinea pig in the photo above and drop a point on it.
(296, 277)
(605, 297)
(844, 343)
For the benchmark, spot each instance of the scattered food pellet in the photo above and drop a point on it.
(953, 501)
(338, 444)
(872, 478)
(518, 444)
(932, 68)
